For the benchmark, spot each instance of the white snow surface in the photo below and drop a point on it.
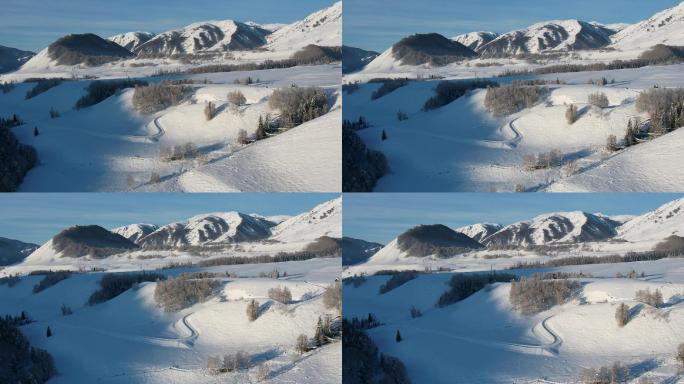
(145, 344)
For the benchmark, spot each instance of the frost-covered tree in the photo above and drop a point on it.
(242, 137)
(571, 114)
(209, 110)
(611, 143)
(281, 294)
(332, 297)
(599, 99)
(622, 314)
(252, 310)
(237, 98)
(302, 345)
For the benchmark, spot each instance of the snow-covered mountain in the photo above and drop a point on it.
(354, 59)
(663, 28)
(77, 49)
(656, 225)
(323, 28)
(561, 227)
(223, 227)
(355, 251)
(12, 58)
(555, 35)
(135, 232)
(131, 40)
(479, 232)
(14, 251)
(323, 220)
(208, 36)
(475, 40)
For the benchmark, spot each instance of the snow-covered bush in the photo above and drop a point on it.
(463, 285)
(617, 373)
(447, 91)
(176, 294)
(252, 310)
(114, 284)
(544, 160)
(511, 99)
(102, 89)
(571, 114)
(178, 152)
(622, 314)
(229, 363)
(534, 295)
(299, 105)
(237, 98)
(42, 85)
(332, 297)
(280, 294)
(302, 344)
(599, 99)
(654, 299)
(209, 110)
(50, 279)
(156, 97)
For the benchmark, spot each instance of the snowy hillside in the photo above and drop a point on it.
(132, 40)
(147, 344)
(14, 251)
(663, 28)
(563, 227)
(323, 28)
(203, 229)
(210, 36)
(12, 58)
(657, 225)
(556, 35)
(479, 232)
(323, 220)
(475, 40)
(135, 232)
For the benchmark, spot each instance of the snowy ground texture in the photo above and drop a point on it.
(463, 147)
(129, 339)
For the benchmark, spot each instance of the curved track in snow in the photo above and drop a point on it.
(546, 349)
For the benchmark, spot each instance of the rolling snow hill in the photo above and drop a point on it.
(659, 224)
(78, 49)
(662, 28)
(323, 220)
(322, 28)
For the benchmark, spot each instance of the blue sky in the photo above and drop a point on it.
(36, 217)
(378, 24)
(34, 24)
(381, 217)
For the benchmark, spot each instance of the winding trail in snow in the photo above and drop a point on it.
(510, 143)
(546, 349)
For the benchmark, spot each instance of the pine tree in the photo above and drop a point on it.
(48, 332)
(398, 337)
(35, 131)
(384, 135)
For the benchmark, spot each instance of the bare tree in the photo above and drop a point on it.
(302, 345)
(571, 114)
(622, 314)
(252, 310)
